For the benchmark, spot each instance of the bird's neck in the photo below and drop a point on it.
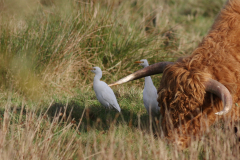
(98, 76)
(148, 81)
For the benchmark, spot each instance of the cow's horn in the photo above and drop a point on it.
(147, 71)
(222, 92)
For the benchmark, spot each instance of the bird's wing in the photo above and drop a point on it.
(150, 98)
(109, 96)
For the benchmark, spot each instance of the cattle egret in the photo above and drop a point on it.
(103, 92)
(149, 93)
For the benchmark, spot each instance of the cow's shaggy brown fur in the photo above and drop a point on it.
(185, 105)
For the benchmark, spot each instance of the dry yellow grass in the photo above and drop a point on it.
(33, 136)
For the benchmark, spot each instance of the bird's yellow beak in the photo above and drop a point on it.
(90, 68)
(139, 62)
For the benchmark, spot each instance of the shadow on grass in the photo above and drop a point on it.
(92, 117)
(97, 117)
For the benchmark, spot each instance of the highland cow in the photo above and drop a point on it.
(202, 88)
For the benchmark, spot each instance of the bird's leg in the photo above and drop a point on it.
(107, 111)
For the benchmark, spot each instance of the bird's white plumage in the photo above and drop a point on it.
(150, 94)
(103, 92)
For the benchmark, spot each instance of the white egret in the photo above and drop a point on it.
(103, 92)
(149, 93)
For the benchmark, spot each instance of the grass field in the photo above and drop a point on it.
(48, 109)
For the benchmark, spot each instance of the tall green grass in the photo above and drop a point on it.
(48, 107)
(59, 41)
